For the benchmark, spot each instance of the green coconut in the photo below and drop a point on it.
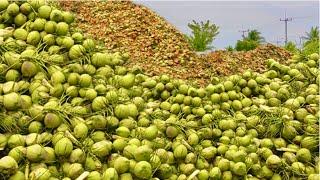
(63, 147)
(85, 80)
(18, 153)
(12, 75)
(11, 101)
(75, 170)
(39, 24)
(20, 19)
(304, 155)
(78, 37)
(25, 8)
(215, 173)
(93, 175)
(20, 34)
(50, 156)
(8, 165)
(29, 69)
(56, 15)
(80, 131)
(40, 174)
(143, 170)
(102, 148)
(35, 153)
(143, 153)
(273, 162)
(100, 59)
(309, 143)
(17, 176)
(52, 120)
(49, 39)
(62, 29)
(13, 9)
(122, 165)
(127, 81)
(239, 168)
(3, 4)
(68, 17)
(89, 45)
(110, 174)
(76, 51)
(44, 11)
(36, 4)
(180, 152)
(50, 27)
(33, 38)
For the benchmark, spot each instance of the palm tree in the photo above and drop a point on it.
(313, 34)
(312, 43)
(255, 35)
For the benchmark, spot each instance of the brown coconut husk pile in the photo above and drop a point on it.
(156, 46)
(226, 63)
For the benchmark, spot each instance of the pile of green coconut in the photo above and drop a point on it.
(70, 110)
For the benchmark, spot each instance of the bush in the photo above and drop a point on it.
(290, 46)
(203, 35)
(246, 45)
(250, 42)
(229, 48)
(311, 47)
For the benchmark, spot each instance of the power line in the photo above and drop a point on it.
(278, 42)
(303, 17)
(286, 19)
(243, 32)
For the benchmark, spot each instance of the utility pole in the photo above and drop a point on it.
(286, 19)
(243, 32)
(301, 41)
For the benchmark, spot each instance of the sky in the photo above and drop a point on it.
(233, 16)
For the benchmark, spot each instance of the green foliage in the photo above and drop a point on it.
(311, 47)
(246, 45)
(255, 35)
(250, 42)
(291, 47)
(312, 43)
(203, 35)
(229, 48)
(312, 35)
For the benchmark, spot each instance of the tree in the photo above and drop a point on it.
(311, 47)
(249, 42)
(291, 47)
(203, 35)
(255, 35)
(229, 48)
(313, 34)
(246, 45)
(312, 43)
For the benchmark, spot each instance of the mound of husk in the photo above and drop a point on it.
(229, 62)
(125, 26)
(157, 47)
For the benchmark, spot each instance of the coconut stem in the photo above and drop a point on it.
(26, 173)
(287, 150)
(46, 83)
(184, 142)
(194, 174)
(72, 138)
(83, 176)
